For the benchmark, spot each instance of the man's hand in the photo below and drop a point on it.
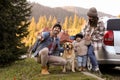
(40, 37)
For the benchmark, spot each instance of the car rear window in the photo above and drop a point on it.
(113, 24)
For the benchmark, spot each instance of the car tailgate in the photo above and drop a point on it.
(117, 41)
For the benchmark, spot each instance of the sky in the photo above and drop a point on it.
(107, 6)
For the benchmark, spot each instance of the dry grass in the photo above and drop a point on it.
(28, 69)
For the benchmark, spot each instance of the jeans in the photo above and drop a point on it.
(82, 60)
(92, 57)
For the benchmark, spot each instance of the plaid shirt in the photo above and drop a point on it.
(52, 46)
(95, 33)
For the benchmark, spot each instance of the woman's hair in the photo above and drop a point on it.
(93, 22)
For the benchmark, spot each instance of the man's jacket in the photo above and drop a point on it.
(46, 43)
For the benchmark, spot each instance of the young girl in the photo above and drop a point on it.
(80, 47)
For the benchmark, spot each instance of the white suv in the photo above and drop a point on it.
(109, 55)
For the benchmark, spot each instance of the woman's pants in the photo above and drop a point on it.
(92, 57)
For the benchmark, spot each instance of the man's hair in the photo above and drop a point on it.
(57, 25)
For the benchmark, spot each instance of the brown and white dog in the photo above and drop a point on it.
(69, 55)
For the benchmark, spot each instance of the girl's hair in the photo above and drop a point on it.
(79, 36)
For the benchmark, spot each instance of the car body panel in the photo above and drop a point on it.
(110, 54)
(117, 41)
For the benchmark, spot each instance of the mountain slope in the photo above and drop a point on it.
(82, 11)
(59, 12)
(39, 10)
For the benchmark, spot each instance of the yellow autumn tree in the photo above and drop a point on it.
(75, 25)
(65, 24)
(30, 39)
(119, 16)
(74, 28)
(54, 20)
(75, 21)
(41, 23)
(81, 23)
(70, 22)
(49, 24)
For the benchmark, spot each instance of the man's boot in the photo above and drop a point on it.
(44, 70)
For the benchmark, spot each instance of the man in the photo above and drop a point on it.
(96, 31)
(48, 46)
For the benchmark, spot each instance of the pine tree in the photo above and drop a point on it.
(14, 15)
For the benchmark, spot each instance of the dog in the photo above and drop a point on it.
(69, 55)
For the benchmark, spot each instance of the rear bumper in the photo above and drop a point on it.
(107, 55)
(108, 61)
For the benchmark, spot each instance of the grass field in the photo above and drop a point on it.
(28, 69)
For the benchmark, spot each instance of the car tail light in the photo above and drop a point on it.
(109, 38)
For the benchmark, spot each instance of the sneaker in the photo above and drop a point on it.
(96, 69)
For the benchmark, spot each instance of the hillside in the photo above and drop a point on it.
(59, 12)
(82, 11)
(39, 10)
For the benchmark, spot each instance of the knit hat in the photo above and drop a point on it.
(92, 12)
(57, 25)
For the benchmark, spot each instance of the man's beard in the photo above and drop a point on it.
(55, 32)
(93, 22)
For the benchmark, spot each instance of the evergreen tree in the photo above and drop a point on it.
(14, 15)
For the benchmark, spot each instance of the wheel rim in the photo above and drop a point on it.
(89, 65)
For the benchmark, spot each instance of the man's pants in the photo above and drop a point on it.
(44, 58)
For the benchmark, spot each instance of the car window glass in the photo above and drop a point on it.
(113, 24)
